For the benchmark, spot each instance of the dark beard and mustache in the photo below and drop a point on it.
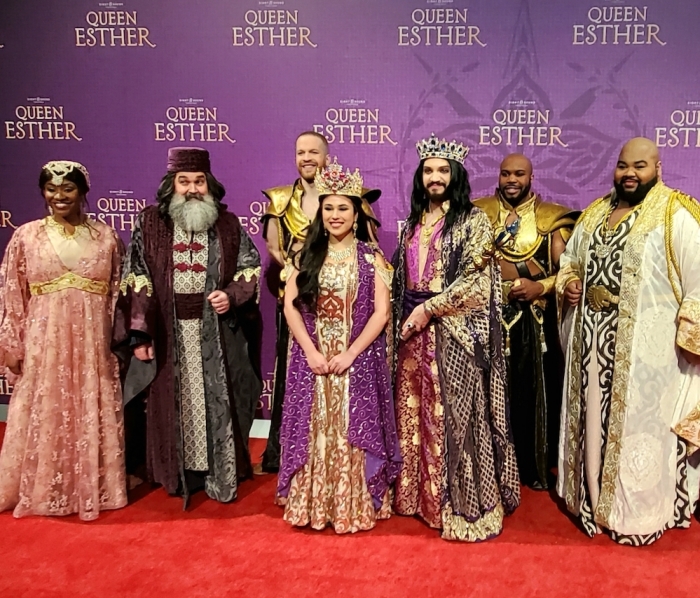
(193, 215)
(430, 193)
(634, 197)
(514, 201)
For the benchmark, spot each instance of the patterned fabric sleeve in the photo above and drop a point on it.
(14, 297)
(136, 304)
(246, 282)
(472, 289)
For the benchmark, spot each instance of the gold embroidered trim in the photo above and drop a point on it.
(678, 200)
(69, 280)
(51, 223)
(137, 283)
(671, 259)
(651, 216)
(689, 428)
(386, 274)
(572, 458)
(247, 273)
(548, 284)
(455, 527)
(688, 336)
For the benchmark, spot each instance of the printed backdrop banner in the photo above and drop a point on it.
(115, 84)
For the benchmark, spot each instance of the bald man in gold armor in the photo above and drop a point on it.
(291, 210)
(531, 234)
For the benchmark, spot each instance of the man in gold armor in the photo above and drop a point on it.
(289, 214)
(530, 236)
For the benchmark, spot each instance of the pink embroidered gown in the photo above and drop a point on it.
(63, 451)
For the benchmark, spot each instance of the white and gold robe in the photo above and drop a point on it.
(658, 312)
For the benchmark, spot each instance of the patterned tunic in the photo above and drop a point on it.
(190, 256)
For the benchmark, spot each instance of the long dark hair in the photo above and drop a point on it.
(458, 192)
(166, 190)
(310, 258)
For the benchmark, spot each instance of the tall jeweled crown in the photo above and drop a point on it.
(332, 180)
(60, 168)
(441, 148)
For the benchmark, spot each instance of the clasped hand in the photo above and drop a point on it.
(572, 292)
(525, 289)
(338, 364)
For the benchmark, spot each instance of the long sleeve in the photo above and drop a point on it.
(117, 259)
(686, 243)
(14, 298)
(134, 316)
(569, 268)
(471, 290)
(246, 281)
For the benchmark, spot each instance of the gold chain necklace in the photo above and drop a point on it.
(341, 254)
(426, 232)
(603, 249)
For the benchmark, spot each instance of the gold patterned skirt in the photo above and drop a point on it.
(330, 489)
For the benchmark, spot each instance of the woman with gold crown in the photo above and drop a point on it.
(340, 450)
(63, 451)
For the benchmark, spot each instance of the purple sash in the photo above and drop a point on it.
(412, 299)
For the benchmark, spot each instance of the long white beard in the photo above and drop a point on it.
(193, 215)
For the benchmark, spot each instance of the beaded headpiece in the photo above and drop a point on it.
(441, 148)
(333, 181)
(60, 168)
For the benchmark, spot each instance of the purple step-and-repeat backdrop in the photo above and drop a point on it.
(114, 84)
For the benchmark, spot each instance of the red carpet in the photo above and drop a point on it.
(152, 549)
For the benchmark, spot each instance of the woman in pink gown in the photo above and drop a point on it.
(63, 451)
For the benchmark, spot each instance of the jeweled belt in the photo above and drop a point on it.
(69, 280)
(599, 298)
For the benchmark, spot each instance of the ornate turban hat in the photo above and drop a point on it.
(188, 159)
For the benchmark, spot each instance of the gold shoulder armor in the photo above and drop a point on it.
(552, 216)
(491, 207)
(279, 200)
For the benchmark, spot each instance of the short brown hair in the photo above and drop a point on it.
(313, 134)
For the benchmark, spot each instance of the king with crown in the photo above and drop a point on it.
(459, 471)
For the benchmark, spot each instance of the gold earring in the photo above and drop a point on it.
(354, 228)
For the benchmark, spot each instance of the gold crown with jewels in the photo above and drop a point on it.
(441, 148)
(332, 180)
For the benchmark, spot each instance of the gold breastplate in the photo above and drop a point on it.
(524, 244)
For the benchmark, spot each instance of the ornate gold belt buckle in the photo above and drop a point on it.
(599, 298)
